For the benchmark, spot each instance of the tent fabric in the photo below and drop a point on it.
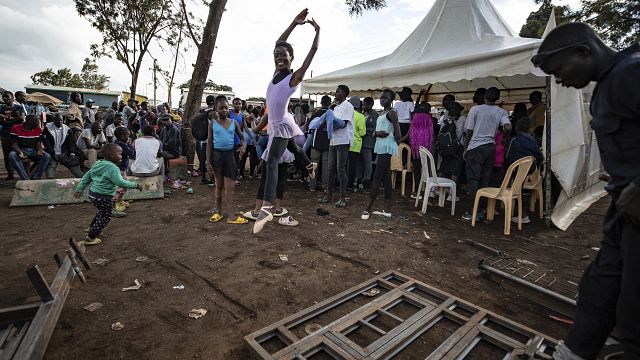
(449, 57)
(444, 56)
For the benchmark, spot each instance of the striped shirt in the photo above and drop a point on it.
(26, 138)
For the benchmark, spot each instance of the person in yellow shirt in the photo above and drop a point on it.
(356, 168)
(537, 114)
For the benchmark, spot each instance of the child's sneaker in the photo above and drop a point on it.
(118, 214)
(89, 241)
(120, 206)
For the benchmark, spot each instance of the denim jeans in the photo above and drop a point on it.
(41, 163)
(338, 155)
(261, 145)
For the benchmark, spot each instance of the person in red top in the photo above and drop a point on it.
(10, 114)
(26, 143)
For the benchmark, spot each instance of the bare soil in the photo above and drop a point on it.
(240, 278)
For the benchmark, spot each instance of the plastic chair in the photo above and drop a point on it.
(507, 194)
(533, 182)
(398, 166)
(430, 179)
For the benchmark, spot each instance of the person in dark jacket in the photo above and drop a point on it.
(523, 145)
(199, 124)
(170, 138)
(520, 146)
(59, 142)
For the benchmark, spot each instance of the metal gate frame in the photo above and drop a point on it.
(475, 325)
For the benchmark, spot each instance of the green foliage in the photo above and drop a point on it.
(89, 78)
(537, 20)
(616, 21)
(208, 85)
(128, 27)
(257, 98)
(358, 7)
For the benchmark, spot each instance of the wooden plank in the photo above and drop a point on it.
(60, 191)
(14, 341)
(34, 344)
(39, 283)
(18, 313)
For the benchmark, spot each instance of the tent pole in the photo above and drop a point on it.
(547, 178)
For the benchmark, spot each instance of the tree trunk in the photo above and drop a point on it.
(134, 83)
(203, 61)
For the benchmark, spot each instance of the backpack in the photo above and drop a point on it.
(448, 143)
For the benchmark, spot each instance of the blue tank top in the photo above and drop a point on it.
(223, 138)
(386, 145)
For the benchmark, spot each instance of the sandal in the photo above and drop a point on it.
(251, 215)
(260, 222)
(365, 215)
(238, 221)
(288, 221)
(215, 218)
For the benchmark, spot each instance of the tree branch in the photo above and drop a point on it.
(186, 18)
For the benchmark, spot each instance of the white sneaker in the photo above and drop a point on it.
(525, 220)
(449, 198)
(365, 215)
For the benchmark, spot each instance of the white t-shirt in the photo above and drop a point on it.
(343, 136)
(110, 130)
(484, 120)
(404, 110)
(146, 161)
(93, 140)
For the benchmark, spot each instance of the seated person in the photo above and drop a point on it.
(109, 131)
(122, 140)
(170, 138)
(147, 152)
(91, 141)
(59, 142)
(26, 143)
(523, 145)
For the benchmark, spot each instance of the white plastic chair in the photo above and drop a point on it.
(429, 178)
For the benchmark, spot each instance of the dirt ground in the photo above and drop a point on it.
(239, 277)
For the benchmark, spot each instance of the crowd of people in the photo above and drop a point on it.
(345, 145)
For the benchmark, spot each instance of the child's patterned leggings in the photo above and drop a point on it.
(104, 204)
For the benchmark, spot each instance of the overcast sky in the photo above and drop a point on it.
(40, 34)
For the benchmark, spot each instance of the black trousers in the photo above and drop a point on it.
(480, 162)
(253, 160)
(609, 293)
(6, 149)
(382, 173)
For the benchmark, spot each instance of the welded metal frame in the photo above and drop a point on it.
(25, 330)
(474, 323)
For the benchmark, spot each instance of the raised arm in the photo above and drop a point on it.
(208, 150)
(264, 120)
(298, 75)
(298, 20)
(393, 116)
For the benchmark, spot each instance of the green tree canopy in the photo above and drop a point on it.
(537, 20)
(616, 21)
(88, 78)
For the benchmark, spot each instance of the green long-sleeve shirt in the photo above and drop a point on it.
(359, 130)
(105, 178)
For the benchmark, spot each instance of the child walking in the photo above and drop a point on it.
(221, 152)
(105, 178)
(387, 136)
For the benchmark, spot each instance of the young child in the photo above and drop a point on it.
(105, 178)
(221, 152)
(387, 136)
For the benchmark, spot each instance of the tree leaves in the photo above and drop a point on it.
(89, 78)
(358, 7)
(616, 21)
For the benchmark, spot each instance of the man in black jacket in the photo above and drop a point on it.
(609, 294)
(59, 143)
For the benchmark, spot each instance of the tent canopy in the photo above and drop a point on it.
(459, 46)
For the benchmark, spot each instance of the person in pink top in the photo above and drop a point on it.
(282, 126)
(498, 172)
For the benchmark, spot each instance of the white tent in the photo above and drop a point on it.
(461, 45)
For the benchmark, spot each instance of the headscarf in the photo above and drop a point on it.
(421, 133)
